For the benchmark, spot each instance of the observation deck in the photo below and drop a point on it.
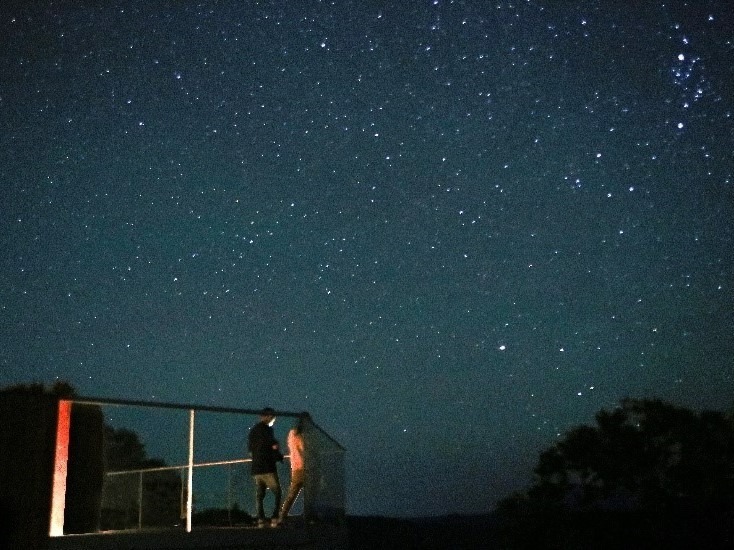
(100, 473)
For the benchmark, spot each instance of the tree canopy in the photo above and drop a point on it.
(648, 471)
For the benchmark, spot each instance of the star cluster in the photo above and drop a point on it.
(449, 229)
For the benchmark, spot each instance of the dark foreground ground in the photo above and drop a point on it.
(454, 532)
(605, 531)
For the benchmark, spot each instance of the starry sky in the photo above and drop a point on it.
(451, 230)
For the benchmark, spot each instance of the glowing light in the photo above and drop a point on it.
(61, 459)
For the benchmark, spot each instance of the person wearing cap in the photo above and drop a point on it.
(265, 454)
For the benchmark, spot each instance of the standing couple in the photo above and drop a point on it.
(265, 453)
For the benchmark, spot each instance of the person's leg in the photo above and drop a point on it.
(273, 484)
(260, 486)
(293, 490)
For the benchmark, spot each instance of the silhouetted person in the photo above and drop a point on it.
(296, 451)
(265, 453)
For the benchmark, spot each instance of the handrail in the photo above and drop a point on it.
(198, 465)
(205, 408)
(179, 406)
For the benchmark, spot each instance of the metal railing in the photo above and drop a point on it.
(185, 507)
(150, 493)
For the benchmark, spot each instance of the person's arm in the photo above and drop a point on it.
(256, 439)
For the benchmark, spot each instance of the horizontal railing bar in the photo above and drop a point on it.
(179, 406)
(182, 467)
(205, 408)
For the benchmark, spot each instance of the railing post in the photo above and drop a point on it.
(140, 500)
(229, 494)
(61, 458)
(190, 483)
(182, 497)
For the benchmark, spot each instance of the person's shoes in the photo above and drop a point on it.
(260, 523)
(274, 522)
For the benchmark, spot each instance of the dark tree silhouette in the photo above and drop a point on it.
(29, 416)
(161, 490)
(123, 449)
(94, 499)
(649, 474)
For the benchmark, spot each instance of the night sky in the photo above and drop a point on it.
(451, 230)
